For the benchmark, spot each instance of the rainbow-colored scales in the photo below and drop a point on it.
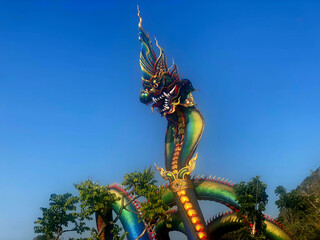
(172, 97)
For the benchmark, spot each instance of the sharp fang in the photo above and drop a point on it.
(172, 90)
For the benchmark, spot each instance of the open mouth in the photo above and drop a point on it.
(162, 102)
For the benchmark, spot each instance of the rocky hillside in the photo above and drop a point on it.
(311, 186)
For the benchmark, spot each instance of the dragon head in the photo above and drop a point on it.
(162, 86)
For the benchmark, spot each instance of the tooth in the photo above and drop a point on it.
(173, 89)
(166, 94)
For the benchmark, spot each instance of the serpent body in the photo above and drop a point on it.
(172, 97)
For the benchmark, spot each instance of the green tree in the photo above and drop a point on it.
(299, 212)
(57, 219)
(98, 199)
(154, 209)
(253, 199)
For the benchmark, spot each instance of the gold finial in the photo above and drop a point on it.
(161, 63)
(140, 22)
(158, 44)
(160, 170)
(167, 175)
(172, 65)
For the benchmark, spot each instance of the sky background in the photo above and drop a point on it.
(70, 82)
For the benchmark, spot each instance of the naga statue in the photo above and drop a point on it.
(172, 98)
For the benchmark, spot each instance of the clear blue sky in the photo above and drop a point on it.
(70, 80)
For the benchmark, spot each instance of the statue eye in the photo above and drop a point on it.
(156, 85)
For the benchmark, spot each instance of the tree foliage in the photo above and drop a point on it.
(253, 199)
(154, 209)
(57, 219)
(94, 198)
(97, 199)
(300, 208)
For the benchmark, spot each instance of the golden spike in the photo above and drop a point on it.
(165, 174)
(190, 166)
(161, 171)
(172, 65)
(140, 22)
(157, 43)
(162, 59)
(192, 163)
